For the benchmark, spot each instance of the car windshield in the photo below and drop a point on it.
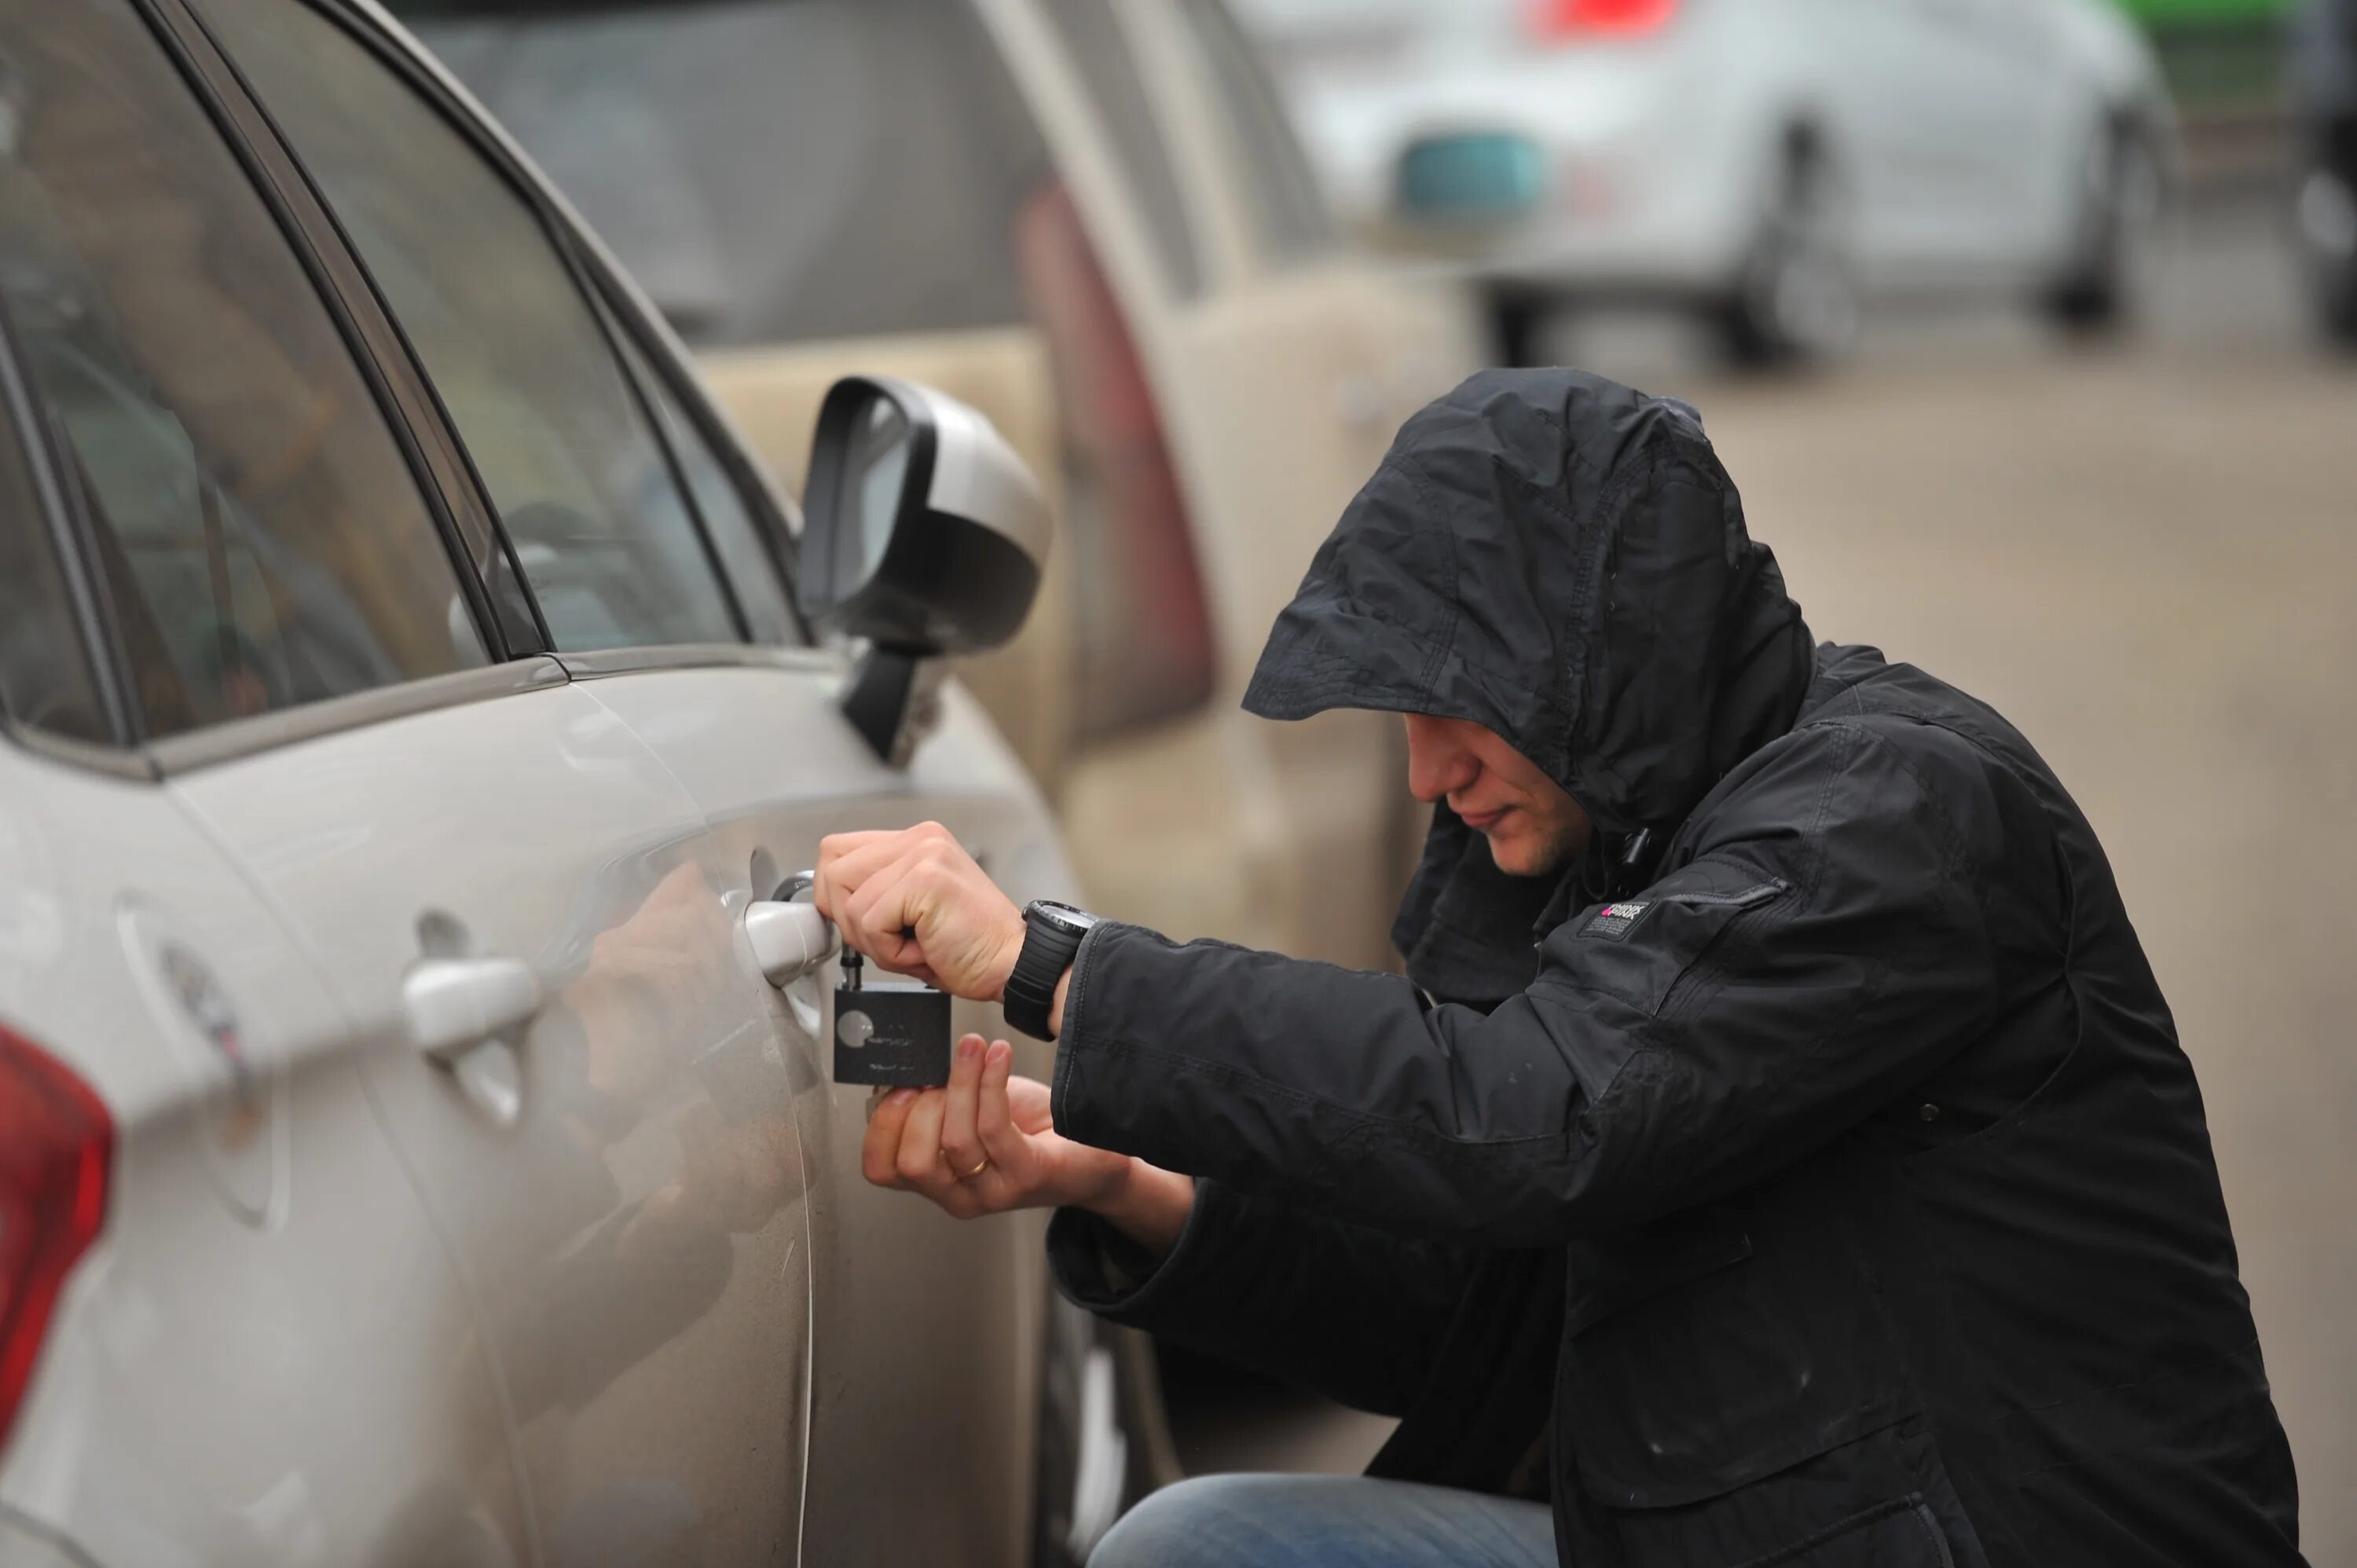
(770, 170)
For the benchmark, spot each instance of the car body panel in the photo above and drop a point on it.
(267, 1357)
(644, 1324)
(924, 1400)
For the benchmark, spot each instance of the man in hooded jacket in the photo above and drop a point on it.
(1806, 1173)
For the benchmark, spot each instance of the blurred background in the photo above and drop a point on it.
(2024, 325)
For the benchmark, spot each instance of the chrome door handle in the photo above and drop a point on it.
(789, 940)
(455, 1004)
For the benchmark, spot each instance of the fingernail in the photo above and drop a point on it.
(900, 1097)
(969, 1046)
(999, 1051)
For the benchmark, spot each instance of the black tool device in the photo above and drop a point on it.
(894, 1032)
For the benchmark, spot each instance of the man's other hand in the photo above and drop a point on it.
(913, 900)
(986, 1143)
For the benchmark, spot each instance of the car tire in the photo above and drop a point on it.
(2324, 223)
(1794, 299)
(1519, 320)
(1104, 1442)
(2102, 279)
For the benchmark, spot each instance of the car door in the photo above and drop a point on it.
(2002, 75)
(603, 1103)
(208, 527)
(1274, 418)
(923, 1335)
(1338, 351)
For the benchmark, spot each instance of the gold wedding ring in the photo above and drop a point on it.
(978, 1170)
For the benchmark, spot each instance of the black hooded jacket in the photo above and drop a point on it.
(1812, 1177)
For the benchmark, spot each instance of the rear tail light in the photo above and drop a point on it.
(1143, 623)
(1559, 21)
(56, 1144)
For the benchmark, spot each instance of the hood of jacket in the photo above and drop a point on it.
(1560, 559)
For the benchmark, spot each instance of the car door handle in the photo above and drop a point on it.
(458, 1004)
(789, 940)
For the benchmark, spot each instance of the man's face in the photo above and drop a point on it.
(1533, 826)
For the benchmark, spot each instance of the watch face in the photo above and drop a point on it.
(1062, 917)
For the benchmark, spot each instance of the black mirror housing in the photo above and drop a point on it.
(924, 531)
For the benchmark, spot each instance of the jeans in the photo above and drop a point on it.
(1326, 1521)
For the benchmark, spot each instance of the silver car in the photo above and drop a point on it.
(417, 1144)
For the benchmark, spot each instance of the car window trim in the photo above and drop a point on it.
(1186, 109)
(192, 749)
(345, 291)
(613, 301)
(597, 664)
(1245, 185)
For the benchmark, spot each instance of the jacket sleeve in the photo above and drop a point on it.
(1824, 947)
(1344, 1311)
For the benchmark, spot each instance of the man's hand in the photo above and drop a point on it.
(915, 902)
(986, 1143)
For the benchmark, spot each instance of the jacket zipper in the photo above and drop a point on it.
(1930, 1523)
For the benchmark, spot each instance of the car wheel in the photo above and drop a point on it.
(1796, 299)
(2324, 217)
(1519, 319)
(1104, 1442)
(2102, 280)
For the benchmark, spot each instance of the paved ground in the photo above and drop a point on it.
(2146, 557)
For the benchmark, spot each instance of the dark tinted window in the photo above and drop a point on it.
(45, 678)
(264, 543)
(770, 170)
(1288, 206)
(603, 529)
(1100, 49)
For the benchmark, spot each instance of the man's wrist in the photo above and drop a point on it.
(1149, 1205)
(1010, 948)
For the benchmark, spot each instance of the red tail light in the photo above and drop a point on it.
(1143, 625)
(1556, 21)
(57, 1142)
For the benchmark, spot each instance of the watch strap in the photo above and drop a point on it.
(1049, 950)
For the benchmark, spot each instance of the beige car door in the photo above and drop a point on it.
(1284, 365)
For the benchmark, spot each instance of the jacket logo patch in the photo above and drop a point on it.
(1612, 921)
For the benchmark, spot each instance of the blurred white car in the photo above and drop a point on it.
(1768, 161)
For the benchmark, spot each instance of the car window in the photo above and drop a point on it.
(760, 591)
(44, 675)
(1100, 49)
(1288, 206)
(770, 170)
(607, 536)
(262, 541)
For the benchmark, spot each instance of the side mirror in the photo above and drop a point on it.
(922, 530)
(922, 533)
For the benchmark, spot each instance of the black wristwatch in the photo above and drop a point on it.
(1052, 937)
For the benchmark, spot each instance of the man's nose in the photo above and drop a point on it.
(1436, 766)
